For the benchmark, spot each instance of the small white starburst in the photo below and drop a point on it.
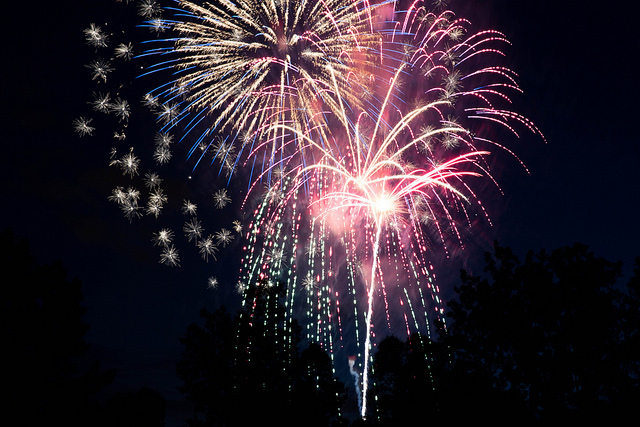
(150, 101)
(83, 126)
(193, 229)
(212, 282)
(154, 208)
(221, 198)
(130, 209)
(224, 237)
(120, 107)
(149, 9)
(101, 102)
(162, 155)
(170, 256)
(118, 195)
(129, 163)
(207, 248)
(163, 237)
(95, 36)
(152, 180)
(276, 255)
(124, 51)
(158, 196)
(309, 283)
(99, 69)
(189, 208)
(167, 113)
(241, 287)
(163, 139)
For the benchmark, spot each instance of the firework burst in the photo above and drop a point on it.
(360, 130)
(142, 196)
(241, 67)
(361, 207)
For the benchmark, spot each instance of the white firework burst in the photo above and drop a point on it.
(163, 139)
(120, 107)
(207, 248)
(124, 51)
(162, 155)
(128, 163)
(312, 248)
(101, 102)
(221, 198)
(152, 180)
(167, 113)
(130, 209)
(276, 255)
(241, 287)
(170, 256)
(229, 167)
(149, 9)
(309, 283)
(154, 208)
(223, 149)
(212, 283)
(95, 36)
(274, 194)
(118, 195)
(189, 208)
(158, 196)
(120, 136)
(450, 142)
(157, 25)
(82, 126)
(224, 237)
(164, 237)
(150, 101)
(99, 69)
(193, 229)
(130, 196)
(133, 194)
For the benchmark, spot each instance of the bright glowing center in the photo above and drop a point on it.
(383, 204)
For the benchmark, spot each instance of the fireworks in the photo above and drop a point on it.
(241, 67)
(100, 68)
(358, 129)
(95, 36)
(362, 206)
(82, 126)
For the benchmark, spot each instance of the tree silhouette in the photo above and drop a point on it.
(142, 408)
(404, 378)
(552, 332)
(47, 378)
(552, 338)
(317, 395)
(206, 367)
(43, 337)
(248, 369)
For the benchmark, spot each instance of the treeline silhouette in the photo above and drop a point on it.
(550, 338)
(46, 377)
(250, 369)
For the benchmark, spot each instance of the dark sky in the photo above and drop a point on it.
(575, 63)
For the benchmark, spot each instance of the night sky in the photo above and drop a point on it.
(574, 61)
